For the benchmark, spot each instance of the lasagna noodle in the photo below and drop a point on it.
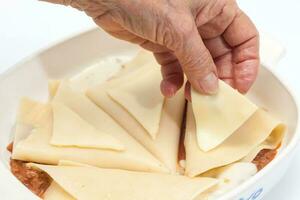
(165, 145)
(95, 183)
(36, 148)
(249, 136)
(218, 116)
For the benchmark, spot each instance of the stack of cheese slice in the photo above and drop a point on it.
(120, 139)
(72, 127)
(78, 181)
(134, 100)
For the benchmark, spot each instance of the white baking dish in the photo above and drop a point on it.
(29, 78)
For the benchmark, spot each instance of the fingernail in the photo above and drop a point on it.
(167, 89)
(209, 83)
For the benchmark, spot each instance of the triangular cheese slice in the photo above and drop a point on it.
(95, 183)
(69, 129)
(249, 136)
(142, 98)
(165, 146)
(95, 74)
(29, 114)
(142, 58)
(218, 116)
(36, 147)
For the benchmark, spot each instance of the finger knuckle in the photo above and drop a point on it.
(200, 66)
(177, 28)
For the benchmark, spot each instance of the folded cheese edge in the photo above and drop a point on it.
(141, 97)
(249, 136)
(96, 183)
(69, 129)
(35, 146)
(55, 192)
(272, 142)
(164, 147)
(52, 87)
(230, 177)
(218, 116)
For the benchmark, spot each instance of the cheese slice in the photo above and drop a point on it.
(230, 177)
(249, 136)
(218, 116)
(165, 146)
(36, 147)
(142, 98)
(142, 58)
(55, 192)
(29, 114)
(96, 73)
(53, 87)
(69, 129)
(72, 163)
(95, 183)
(272, 142)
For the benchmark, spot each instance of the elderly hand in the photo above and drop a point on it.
(204, 39)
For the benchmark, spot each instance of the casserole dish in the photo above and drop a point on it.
(66, 59)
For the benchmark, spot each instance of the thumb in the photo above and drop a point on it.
(197, 63)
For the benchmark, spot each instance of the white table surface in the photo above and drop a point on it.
(28, 26)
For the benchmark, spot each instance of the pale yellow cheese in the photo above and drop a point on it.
(142, 58)
(69, 129)
(230, 177)
(52, 87)
(165, 146)
(272, 142)
(96, 73)
(32, 113)
(36, 148)
(142, 98)
(218, 116)
(89, 183)
(249, 136)
(72, 163)
(55, 192)
(29, 115)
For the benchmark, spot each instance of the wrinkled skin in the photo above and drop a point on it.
(203, 39)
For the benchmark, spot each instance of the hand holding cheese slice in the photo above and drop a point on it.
(218, 116)
(93, 183)
(69, 129)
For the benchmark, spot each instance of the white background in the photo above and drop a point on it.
(27, 26)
